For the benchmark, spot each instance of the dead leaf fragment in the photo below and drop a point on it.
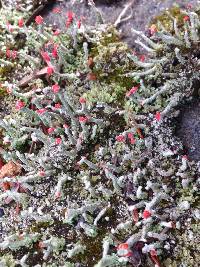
(91, 77)
(31, 77)
(10, 169)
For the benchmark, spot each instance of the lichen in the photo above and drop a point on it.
(104, 180)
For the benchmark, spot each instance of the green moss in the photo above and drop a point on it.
(165, 19)
(7, 260)
(3, 92)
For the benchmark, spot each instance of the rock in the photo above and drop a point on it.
(1, 212)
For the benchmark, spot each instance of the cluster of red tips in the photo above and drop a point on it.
(146, 214)
(70, 17)
(21, 22)
(158, 116)
(82, 119)
(51, 130)
(41, 111)
(131, 138)
(19, 105)
(132, 91)
(123, 250)
(45, 56)
(55, 88)
(39, 20)
(55, 51)
(58, 141)
(185, 157)
(186, 18)
(50, 70)
(42, 173)
(57, 106)
(154, 257)
(82, 100)
(120, 138)
(142, 58)
(11, 53)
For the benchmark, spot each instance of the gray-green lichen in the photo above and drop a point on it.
(104, 180)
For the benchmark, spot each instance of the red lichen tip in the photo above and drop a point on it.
(45, 56)
(42, 173)
(132, 91)
(70, 17)
(131, 138)
(154, 257)
(9, 26)
(82, 100)
(19, 104)
(57, 106)
(55, 51)
(186, 18)
(123, 250)
(83, 119)
(158, 116)
(50, 70)
(21, 22)
(120, 138)
(142, 58)
(58, 141)
(55, 88)
(146, 214)
(51, 130)
(39, 20)
(41, 111)
(8, 52)
(123, 246)
(14, 54)
(57, 195)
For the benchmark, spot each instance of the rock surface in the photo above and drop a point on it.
(142, 13)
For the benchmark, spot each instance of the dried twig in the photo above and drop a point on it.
(120, 18)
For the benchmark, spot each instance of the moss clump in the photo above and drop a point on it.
(165, 19)
(109, 62)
